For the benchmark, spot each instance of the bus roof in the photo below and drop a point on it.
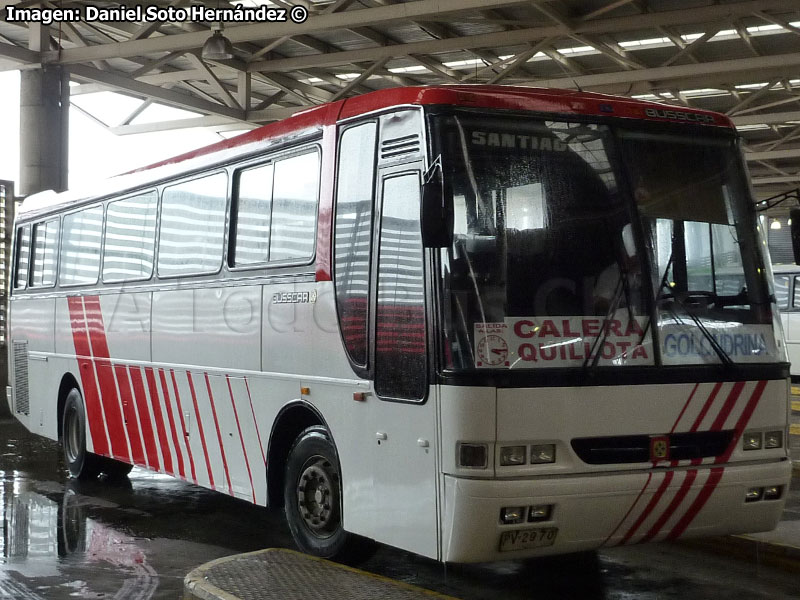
(517, 98)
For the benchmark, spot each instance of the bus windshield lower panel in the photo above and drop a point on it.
(556, 264)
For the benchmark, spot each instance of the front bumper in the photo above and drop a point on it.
(595, 510)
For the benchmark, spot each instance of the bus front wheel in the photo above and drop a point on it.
(312, 495)
(81, 463)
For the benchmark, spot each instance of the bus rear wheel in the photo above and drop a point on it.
(81, 463)
(312, 495)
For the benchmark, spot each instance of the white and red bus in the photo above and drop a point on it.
(472, 322)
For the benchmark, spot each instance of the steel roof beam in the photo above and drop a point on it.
(520, 36)
(767, 118)
(266, 31)
(19, 54)
(773, 154)
(164, 96)
(659, 75)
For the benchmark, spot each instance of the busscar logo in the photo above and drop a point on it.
(294, 297)
(678, 115)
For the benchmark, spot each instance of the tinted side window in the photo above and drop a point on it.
(353, 234)
(294, 208)
(23, 253)
(45, 242)
(192, 226)
(80, 247)
(400, 364)
(130, 238)
(796, 299)
(782, 291)
(252, 216)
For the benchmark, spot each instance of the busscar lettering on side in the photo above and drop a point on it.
(294, 297)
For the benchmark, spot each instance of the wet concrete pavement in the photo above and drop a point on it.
(138, 538)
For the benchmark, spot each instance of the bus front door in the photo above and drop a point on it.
(403, 413)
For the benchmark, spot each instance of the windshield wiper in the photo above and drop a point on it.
(622, 287)
(719, 350)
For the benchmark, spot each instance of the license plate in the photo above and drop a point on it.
(524, 539)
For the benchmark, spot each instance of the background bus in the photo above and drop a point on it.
(787, 295)
(547, 360)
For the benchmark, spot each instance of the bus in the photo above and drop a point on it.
(787, 298)
(472, 322)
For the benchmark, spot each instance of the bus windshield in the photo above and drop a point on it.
(552, 256)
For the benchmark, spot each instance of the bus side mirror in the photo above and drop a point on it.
(436, 209)
(794, 215)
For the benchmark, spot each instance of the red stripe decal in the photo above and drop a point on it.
(650, 506)
(685, 406)
(716, 473)
(241, 438)
(186, 436)
(148, 436)
(676, 501)
(105, 376)
(699, 502)
(730, 402)
(94, 408)
(744, 419)
(171, 419)
(162, 431)
(255, 421)
(219, 435)
(673, 463)
(131, 421)
(630, 510)
(706, 407)
(200, 429)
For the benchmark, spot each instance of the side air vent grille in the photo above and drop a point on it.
(21, 401)
(408, 144)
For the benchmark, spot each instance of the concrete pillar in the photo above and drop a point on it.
(44, 130)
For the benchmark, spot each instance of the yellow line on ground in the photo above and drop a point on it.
(796, 405)
(795, 390)
(794, 429)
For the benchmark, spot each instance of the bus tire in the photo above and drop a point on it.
(81, 464)
(312, 495)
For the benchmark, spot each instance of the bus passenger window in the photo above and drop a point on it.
(192, 226)
(80, 247)
(782, 291)
(353, 235)
(23, 252)
(130, 238)
(796, 299)
(45, 242)
(294, 208)
(252, 216)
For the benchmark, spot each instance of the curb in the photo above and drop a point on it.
(197, 584)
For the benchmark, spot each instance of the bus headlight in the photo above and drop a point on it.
(751, 440)
(512, 455)
(543, 454)
(773, 439)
